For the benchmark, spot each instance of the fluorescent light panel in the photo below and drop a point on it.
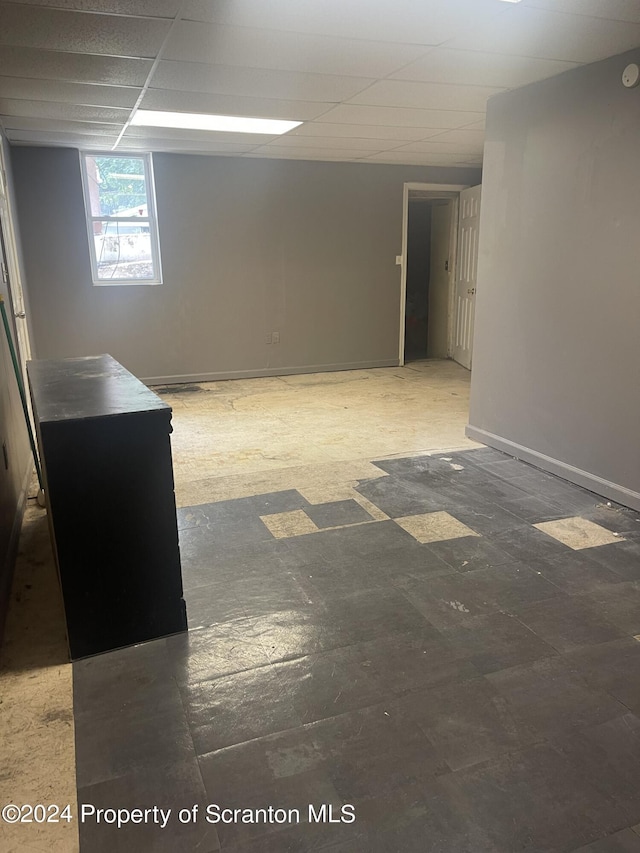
(201, 121)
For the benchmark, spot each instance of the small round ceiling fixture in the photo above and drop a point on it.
(631, 76)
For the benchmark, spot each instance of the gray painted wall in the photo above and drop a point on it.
(556, 362)
(248, 247)
(13, 479)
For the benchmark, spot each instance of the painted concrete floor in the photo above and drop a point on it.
(37, 752)
(446, 641)
(317, 432)
(231, 439)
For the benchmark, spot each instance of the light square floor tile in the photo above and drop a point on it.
(434, 527)
(285, 524)
(578, 533)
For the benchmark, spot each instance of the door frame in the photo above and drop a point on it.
(453, 191)
(12, 259)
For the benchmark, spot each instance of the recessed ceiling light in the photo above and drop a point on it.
(510, 1)
(201, 121)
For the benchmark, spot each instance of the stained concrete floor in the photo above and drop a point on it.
(37, 748)
(318, 432)
(231, 439)
(461, 670)
(446, 640)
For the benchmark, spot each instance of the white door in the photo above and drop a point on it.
(466, 274)
(10, 270)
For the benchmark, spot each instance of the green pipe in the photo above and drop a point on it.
(23, 398)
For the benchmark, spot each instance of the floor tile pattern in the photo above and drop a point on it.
(579, 533)
(286, 524)
(472, 692)
(434, 527)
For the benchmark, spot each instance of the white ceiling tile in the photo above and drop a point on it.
(464, 136)
(526, 31)
(330, 143)
(254, 48)
(426, 96)
(308, 154)
(424, 23)
(150, 8)
(55, 29)
(161, 148)
(163, 143)
(71, 112)
(197, 102)
(362, 131)
(206, 136)
(256, 83)
(71, 127)
(91, 142)
(397, 117)
(442, 65)
(476, 125)
(424, 159)
(364, 76)
(74, 67)
(69, 93)
(426, 146)
(614, 10)
(66, 140)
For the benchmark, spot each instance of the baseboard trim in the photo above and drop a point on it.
(612, 491)
(258, 373)
(6, 580)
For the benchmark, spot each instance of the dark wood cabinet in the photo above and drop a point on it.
(106, 458)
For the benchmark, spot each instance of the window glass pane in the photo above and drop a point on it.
(117, 186)
(123, 250)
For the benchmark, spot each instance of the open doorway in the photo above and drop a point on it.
(429, 252)
(439, 269)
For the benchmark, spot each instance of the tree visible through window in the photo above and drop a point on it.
(123, 234)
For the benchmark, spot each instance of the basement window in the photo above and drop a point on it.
(119, 201)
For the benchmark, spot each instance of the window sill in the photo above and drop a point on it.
(127, 282)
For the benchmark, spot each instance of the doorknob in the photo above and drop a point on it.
(471, 291)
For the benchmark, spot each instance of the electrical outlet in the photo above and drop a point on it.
(267, 339)
(275, 337)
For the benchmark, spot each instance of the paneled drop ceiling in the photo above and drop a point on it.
(384, 81)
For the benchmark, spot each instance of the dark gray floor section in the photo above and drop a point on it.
(479, 695)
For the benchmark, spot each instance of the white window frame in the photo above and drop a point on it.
(151, 218)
